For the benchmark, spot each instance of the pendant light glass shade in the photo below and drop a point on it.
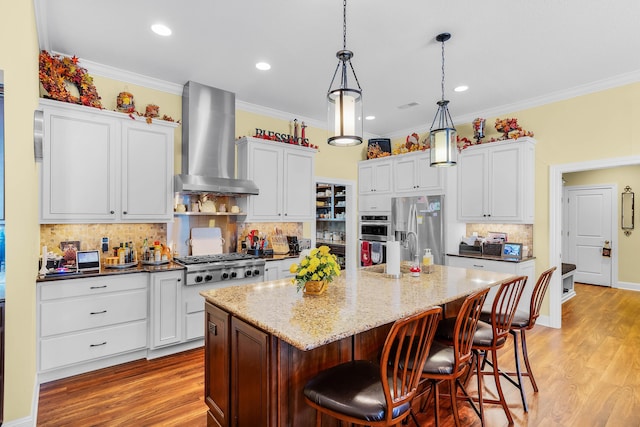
(443, 135)
(345, 113)
(443, 138)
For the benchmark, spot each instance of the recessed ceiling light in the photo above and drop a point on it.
(161, 29)
(370, 118)
(461, 88)
(263, 66)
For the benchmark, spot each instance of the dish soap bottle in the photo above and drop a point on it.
(427, 261)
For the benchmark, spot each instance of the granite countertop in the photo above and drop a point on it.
(354, 302)
(492, 258)
(139, 268)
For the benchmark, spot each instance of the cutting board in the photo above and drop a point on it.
(206, 241)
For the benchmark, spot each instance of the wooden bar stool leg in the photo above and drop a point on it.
(526, 360)
(454, 402)
(496, 376)
(478, 357)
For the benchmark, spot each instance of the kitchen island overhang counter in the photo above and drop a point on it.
(354, 302)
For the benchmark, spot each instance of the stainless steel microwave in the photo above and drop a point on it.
(375, 228)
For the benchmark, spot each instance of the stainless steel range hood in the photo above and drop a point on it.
(208, 143)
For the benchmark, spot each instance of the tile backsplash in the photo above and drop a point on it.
(90, 235)
(517, 233)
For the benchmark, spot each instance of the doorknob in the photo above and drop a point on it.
(606, 249)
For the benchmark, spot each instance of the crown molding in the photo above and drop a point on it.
(176, 89)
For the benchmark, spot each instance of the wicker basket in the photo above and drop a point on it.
(315, 287)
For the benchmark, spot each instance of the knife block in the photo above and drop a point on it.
(279, 244)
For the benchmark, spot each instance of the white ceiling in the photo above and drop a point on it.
(511, 53)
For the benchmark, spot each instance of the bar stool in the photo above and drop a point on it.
(490, 337)
(377, 394)
(523, 321)
(450, 362)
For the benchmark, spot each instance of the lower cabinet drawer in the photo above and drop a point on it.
(92, 286)
(70, 315)
(75, 348)
(194, 325)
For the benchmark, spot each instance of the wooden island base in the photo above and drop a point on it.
(255, 379)
(265, 341)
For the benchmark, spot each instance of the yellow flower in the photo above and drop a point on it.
(320, 264)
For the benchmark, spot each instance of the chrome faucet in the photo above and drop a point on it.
(413, 249)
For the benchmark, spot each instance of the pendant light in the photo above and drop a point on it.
(345, 103)
(444, 150)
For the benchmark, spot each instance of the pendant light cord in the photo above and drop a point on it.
(442, 70)
(344, 24)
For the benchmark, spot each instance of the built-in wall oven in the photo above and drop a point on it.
(375, 231)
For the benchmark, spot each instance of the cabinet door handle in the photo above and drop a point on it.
(112, 212)
(98, 312)
(179, 280)
(98, 345)
(98, 287)
(478, 265)
(124, 212)
(213, 328)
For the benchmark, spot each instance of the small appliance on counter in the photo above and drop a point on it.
(294, 247)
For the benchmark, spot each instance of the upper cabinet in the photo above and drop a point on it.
(375, 184)
(414, 174)
(496, 182)
(374, 176)
(284, 174)
(101, 166)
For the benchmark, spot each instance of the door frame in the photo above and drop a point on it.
(614, 222)
(352, 261)
(555, 222)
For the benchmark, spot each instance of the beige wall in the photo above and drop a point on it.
(628, 246)
(584, 128)
(19, 60)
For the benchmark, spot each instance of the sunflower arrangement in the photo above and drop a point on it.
(320, 264)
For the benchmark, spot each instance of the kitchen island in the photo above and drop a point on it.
(265, 341)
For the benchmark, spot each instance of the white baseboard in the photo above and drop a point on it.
(31, 420)
(628, 286)
(22, 422)
(544, 321)
(165, 351)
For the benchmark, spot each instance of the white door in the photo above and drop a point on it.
(589, 226)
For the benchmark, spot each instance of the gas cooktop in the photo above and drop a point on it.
(209, 259)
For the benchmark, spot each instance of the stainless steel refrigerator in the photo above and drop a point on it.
(418, 223)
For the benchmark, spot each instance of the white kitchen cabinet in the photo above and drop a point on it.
(89, 323)
(496, 182)
(374, 176)
(522, 268)
(147, 172)
(101, 166)
(413, 174)
(375, 185)
(166, 316)
(284, 174)
(276, 270)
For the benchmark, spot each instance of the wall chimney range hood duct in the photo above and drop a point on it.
(208, 143)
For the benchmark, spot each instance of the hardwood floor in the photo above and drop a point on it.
(167, 391)
(587, 373)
